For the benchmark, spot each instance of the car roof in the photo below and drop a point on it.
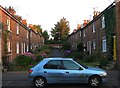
(57, 58)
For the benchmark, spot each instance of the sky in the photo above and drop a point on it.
(48, 12)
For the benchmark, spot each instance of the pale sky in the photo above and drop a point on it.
(48, 12)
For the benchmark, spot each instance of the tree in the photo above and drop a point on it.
(38, 29)
(66, 46)
(5, 34)
(45, 35)
(61, 30)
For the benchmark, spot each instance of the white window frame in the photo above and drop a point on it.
(18, 29)
(27, 48)
(103, 22)
(31, 47)
(80, 33)
(83, 33)
(8, 24)
(17, 48)
(104, 44)
(94, 44)
(24, 47)
(9, 46)
(21, 48)
(84, 46)
(93, 28)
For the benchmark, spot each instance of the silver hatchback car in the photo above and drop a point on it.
(65, 70)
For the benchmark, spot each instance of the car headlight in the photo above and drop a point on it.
(104, 74)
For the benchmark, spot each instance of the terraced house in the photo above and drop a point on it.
(102, 34)
(15, 37)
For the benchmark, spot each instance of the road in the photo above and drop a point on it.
(20, 80)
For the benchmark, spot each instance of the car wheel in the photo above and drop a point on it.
(95, 81)
(40, 82)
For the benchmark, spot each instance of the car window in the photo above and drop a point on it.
(70, 65)
(53, 64)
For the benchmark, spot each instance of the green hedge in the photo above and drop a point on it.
(23, 61)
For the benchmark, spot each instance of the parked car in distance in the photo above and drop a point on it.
(65, 70)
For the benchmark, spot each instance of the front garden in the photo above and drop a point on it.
(95, 59)
(29, 59)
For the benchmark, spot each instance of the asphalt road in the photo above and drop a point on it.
(20, 80)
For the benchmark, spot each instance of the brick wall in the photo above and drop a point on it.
(18, 42)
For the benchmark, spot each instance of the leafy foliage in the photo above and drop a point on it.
(66, 46)
(61, 30)
(45, 35)
(38, 29)
(23, 60)
(110, 27)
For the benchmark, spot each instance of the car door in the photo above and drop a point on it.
(53, 71)
(73, 73)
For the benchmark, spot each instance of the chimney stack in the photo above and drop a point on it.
(30, 26)
(24, 22)
(86, 22)
(78, 26)
(11, 10)
(95, 13)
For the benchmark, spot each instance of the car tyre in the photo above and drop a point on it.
(40, 82)
(95, 81)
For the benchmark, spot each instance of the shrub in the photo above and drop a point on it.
(23, 60)
(103, 60)
(29, 54)
(89, 58)
(78, 55)
(39, 58)
(66, 46)
(67, 52)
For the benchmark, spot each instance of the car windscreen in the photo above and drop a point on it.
(84, 66)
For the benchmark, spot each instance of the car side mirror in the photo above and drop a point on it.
(80, 68)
